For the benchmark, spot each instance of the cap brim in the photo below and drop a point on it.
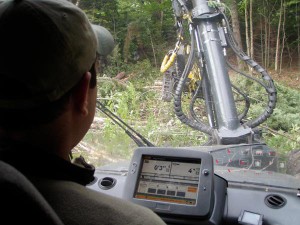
(105, 39)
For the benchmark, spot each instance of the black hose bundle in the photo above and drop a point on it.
(269, 86)
(198, 125)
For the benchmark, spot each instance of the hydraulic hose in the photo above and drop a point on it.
(198, 125)
(194, 98)
(247, 103)
(270, 87)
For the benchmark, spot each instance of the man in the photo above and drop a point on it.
(47, 104)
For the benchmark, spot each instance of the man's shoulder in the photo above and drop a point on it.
(77, 204)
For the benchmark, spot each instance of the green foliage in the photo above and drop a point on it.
(155, 20)
(102, 12)
(216, 4)
(115, 63)
(143, 108)
(285, 118)
(283, 141)
(287, 113)
(144, 73)
(140, 74)
(156, 23)
(125, 103)
(153, 118)
(116, 141)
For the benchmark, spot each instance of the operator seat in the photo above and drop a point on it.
(21, 202)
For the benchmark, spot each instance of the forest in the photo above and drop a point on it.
(267, 30)
(144, 31)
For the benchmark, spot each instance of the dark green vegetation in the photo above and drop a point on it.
(138, 101)
(145, 28)
(144, 33)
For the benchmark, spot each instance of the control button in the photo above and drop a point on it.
(205, 172)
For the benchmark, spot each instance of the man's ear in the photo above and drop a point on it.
(81, 94)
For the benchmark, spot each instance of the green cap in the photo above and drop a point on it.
(105, 40)
(46, 47)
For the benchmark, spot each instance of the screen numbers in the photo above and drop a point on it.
(194, 171)
(162, 168)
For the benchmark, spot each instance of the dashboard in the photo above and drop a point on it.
(181, 186)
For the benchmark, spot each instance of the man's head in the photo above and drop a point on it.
(47, 66)
(46, 47)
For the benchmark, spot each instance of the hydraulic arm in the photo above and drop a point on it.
(210, 35)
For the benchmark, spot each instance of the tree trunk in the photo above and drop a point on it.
(251, 29)
(236, 29)
(298, 35)
(266, 64)
(262, 40)
(283, 38)
(278, 37)
(153, 50)
(247, 31)
(247, 28)
(269, 13)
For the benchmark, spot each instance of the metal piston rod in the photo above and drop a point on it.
(229, 127)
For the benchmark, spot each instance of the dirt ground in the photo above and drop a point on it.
(289, 77)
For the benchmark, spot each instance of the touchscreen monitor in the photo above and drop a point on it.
(167, 179)
(172, 181)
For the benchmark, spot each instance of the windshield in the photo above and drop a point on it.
(152, 102)
(108, 147)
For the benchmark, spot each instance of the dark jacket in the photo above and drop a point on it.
(62, 184)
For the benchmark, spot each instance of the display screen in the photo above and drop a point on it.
(165, 179)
